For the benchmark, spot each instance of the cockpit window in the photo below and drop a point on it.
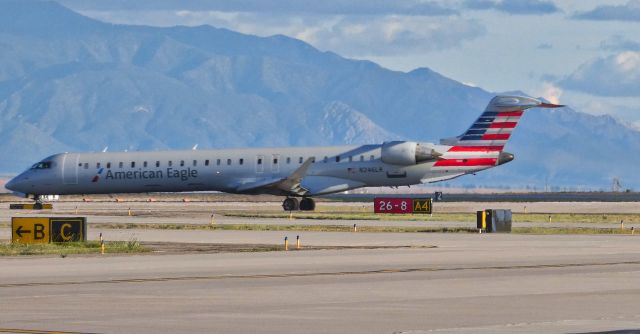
(42, 165)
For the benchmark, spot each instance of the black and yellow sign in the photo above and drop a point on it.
(36, 206)
(39, 230)
(422, 205)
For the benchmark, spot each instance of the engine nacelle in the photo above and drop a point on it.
(406, 153)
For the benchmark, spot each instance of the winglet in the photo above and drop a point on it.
(292, 182)
(289, 184)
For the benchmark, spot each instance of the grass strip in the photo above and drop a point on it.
(365, 229)
(63, 249)
(611, 218)
(282, 227)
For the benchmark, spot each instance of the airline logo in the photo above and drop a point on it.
(97, 176)
(493, 126)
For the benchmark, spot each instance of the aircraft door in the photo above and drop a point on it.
(275, 163)
(260, 163)
(70, 168)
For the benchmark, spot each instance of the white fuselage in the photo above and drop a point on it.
(335, 169)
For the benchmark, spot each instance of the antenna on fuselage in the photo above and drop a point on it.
(195, 147)
(105, 149)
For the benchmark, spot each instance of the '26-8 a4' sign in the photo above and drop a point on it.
(401, 205)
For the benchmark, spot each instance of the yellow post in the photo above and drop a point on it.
(297, 242)
(525, 209)
(632, 230)
(622, 224)
(355, 228)
(290, 215)
(130, 212)
(76, 209)
(549, 218)
(212, 220)
(286, 243)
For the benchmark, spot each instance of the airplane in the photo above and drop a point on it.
(298, 173)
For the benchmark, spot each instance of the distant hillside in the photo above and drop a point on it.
(68, 82)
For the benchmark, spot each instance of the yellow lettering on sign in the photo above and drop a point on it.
(421, 206)
(30, 230)
(63, 235)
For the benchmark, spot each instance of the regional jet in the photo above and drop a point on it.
(299, 173)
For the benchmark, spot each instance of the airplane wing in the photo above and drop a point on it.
(289, 184)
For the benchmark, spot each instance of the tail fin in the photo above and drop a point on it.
(492, 130)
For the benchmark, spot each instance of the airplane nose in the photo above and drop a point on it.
(15, 184)
(11, 184)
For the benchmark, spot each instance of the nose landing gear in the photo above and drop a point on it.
(38, 202)
(292, 204)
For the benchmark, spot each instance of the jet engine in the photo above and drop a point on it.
(406, 153)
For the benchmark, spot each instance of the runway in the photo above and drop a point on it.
(470, 283)
(473, 283)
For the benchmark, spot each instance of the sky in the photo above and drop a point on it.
(582, 53)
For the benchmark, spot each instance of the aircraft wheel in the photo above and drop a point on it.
(290, 204)
(307, 204)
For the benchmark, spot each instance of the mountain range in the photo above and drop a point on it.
(72, 83)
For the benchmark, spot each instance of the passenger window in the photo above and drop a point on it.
(218, 162)
(108, 165)
(170, 163)
(288, 160)
(79, 165)
(275, 161)
(241, 161)
(337, 158)
(351, 158)
(371, 157)
(195, 163)
(229, 162)
(144, 164)
(181, 163)
(313, 160)
(133, 164)
(157, 163)
(86, 165)
(206, 162)
(325, 160)
(260, 161)
(120, 164)
(97, 165)
(300, 160)
(362, 158)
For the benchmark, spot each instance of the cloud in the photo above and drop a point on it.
(515, 7)
(353, 36)
(313, 7)
(616, 75)
(551, 92)
(394, 35)
(627, 12)
(619, 43)
(544, 46)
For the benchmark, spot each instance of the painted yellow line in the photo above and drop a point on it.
(316, 274)
(33, 331)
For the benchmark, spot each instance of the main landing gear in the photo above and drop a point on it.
(292, 204)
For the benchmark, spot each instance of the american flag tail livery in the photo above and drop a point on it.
(481, 146)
